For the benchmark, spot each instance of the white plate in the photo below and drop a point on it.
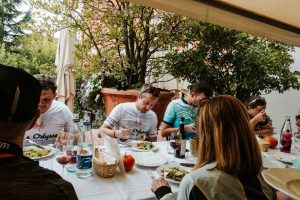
(134, 147)
(286, 180)
(50, 153)
(269, 162)
(149, 159)
(159, 169)
(284, 157)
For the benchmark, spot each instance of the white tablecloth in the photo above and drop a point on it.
(131, 186)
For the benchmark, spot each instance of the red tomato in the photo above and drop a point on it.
(273, 141)
(128, 162)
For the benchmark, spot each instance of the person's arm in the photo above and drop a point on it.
(152, 134)
(266, 130)
(161, 189)
(166, 129)
(108, 130)
(114, 133)
(260, 117)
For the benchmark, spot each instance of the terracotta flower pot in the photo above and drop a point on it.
(113, 97)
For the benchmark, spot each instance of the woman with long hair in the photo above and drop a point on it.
(229, 160)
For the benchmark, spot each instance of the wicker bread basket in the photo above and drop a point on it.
(100, 165)
(264, 146)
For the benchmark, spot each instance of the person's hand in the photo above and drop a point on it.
(190, 127)
(156, 183)
(62, 138)
(123, 132)
(260, 117)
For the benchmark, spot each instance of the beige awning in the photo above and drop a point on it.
(274, 19)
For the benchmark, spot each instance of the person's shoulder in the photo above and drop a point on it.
(22, 171)
(60, 105)
(175, 101)
(151, 114)
(126, 105)
(52, 180)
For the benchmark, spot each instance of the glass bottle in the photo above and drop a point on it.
(72, 144)
(180, 153)
(286, 136)
(85, 151)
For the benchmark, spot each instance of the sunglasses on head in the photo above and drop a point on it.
(297, 117)
(257, 100)
(152, 90)
(204, 101)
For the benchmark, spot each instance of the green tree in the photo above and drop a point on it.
(11, 20)
(233, 62)
(35, 54)
(127, 39)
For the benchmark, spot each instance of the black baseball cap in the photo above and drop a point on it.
(19, 95)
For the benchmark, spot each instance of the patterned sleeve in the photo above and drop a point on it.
(114, 117)
(169, 117)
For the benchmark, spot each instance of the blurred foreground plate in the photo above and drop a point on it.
(286, 180)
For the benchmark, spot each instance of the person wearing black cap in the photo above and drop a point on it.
(21, 177)
(55, 115)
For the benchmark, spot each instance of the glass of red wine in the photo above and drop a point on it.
(62, 157)
(123, 139)
(175, 142)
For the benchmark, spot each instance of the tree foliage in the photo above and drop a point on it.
(34, 53)
(127, 39)
(11, 20)
(233, 62)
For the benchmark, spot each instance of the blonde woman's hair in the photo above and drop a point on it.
(225, 136)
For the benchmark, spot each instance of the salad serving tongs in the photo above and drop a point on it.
(34, 144)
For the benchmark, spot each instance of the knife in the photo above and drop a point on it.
(187, 164)
(34, 144)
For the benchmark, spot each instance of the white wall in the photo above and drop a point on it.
(288, 103)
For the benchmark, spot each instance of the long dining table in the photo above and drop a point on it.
(133, 185)
(136, 184)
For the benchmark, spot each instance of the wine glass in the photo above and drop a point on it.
(62, 157)
(72, 147)
(123, 139)
(175, 142)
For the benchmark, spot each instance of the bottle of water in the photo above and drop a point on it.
(286, 136)
(84, 157)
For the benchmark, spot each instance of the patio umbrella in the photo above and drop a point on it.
(64, 62)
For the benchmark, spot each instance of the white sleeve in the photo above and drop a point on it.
(114, 117)
(185, 187)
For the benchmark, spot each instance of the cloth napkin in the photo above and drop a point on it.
(112, 148)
